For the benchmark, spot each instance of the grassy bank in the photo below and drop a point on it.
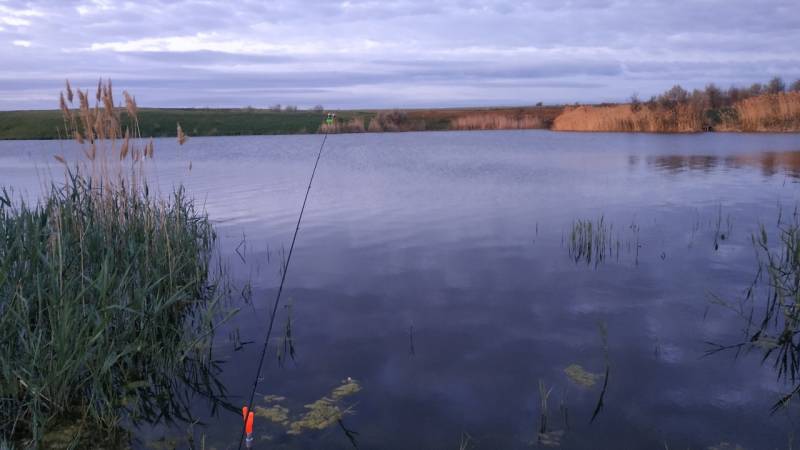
(106, 306)
(249, 121)
(758, 108)
(161, 122)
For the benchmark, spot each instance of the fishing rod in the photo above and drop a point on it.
(247, 411)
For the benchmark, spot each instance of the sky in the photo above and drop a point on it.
(390, 54)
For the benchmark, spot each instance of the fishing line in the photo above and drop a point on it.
(280, 290)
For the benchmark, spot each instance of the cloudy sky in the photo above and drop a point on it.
(381, 53)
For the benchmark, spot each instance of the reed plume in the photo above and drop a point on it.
(181, 135)
(69, 92)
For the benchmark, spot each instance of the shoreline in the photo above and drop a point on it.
(757, 116)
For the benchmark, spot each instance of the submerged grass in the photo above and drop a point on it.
(771, 306)
(592, 241)
(105, 300)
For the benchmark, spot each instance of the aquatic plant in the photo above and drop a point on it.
(100, 293)
(771, 306)
(319, 415)
(592, 241)
(544, 396)
(721, 234)
(601, 399)
(466, 441)
(106, 305)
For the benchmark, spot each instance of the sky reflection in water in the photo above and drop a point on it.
(458, 242)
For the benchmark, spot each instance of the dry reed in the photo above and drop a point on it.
(681, 119)
(774, 112)
(497, 121)
(768, 112)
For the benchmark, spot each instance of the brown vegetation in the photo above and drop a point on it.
(497, 121)
(625, 118)
(379, 122)
(757, 108)
(446, 119)
(396, 121)
(772, 112)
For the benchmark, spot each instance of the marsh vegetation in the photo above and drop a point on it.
(759, 108)
(107, 305)
(594, 241)
(770, 308)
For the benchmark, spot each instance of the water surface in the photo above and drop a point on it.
(434, 269)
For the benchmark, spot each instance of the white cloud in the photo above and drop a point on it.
(15, 21)
(21, 43)
(17, 17)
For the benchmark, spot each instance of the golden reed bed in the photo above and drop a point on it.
(770, 112)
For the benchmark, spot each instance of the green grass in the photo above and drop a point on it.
(161, 122)
(105, 306)
(196, 122)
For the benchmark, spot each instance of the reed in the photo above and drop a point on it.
(105, 297)
(395, 121)
(497, 121)
(774, 112)
(778, 112)
(771, 306)
(593, 241)
(681, 119)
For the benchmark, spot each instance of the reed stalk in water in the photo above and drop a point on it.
(105, 297)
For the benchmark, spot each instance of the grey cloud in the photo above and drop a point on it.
(368, 53)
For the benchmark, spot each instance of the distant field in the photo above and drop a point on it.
(248, 121)
(162, 122)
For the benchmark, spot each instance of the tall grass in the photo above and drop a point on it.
(775, 112)
(497, 121)
(681, 119)
(779, 112)
(105, 297)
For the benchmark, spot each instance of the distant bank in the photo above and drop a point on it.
(676, 111)
(161, 122)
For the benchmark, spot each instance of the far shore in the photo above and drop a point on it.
(671, 113)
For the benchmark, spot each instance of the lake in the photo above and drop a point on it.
(439, 271)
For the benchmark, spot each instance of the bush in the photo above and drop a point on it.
(776, 86)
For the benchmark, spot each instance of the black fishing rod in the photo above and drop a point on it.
(247, 425)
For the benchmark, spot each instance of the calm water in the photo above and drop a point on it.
(434, 269)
